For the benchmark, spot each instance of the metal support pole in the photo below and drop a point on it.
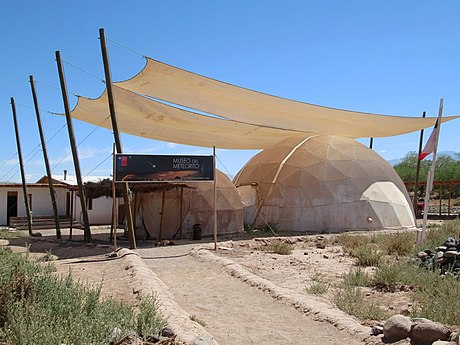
(73, 146)
(45, 157)
(21, 166)
(113, 116)
(417, 173)
(371, 143)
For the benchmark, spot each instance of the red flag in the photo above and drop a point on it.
(429, 146)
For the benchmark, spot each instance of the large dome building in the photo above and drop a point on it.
(323, 183)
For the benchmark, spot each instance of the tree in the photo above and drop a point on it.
(407, 168)
(447, 168)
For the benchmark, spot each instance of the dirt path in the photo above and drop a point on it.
(234, 312)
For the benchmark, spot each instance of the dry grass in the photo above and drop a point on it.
(279, 247)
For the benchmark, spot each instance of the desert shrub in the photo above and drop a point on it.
(248, 228)
(437, 300)
(270, 227)
(349, 242)
(401, 243)
(367, 255)
(357, 277)
(387, 277)
(437, 236)
(351, 300)
(319, 285)
(5, 233)
(149, 321)
(36, 307)
(279, 247)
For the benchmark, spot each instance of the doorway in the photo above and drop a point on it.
(11, 206)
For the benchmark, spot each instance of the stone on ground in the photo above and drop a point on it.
(397, 327)
(426, 333)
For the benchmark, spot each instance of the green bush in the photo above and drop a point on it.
(388, 277)
(349, 242)
(357, 277)
(351, 300)
(437, 236)
(270, 227)
(367, 255)
(36, 307)
(319, 285)
(401, 243)
(437, 300)
(6, 233)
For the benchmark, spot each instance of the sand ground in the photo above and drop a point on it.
(241, 294)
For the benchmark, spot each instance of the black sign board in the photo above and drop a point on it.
(144, 168)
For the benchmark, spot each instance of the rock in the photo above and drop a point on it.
(168, 332)
(376, 330)
(455, 337)
(115, 336)
(305, 253)
(442, 342)
(325, 256)
(321, 245)
(152, 339)
(397, 327)
(202, 340)
(405, 311)
(425, 333)
(4, 243)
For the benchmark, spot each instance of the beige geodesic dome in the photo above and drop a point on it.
(323, 183)
(197, 208)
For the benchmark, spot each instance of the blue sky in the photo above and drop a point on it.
(388, 57)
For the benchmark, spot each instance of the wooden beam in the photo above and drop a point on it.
(21, 166)
(116, 134)
(73, 146)
(45, 157)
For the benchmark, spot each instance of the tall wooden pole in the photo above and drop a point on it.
(417, 173)
(181, 212)
(21, 166)
(113, 232)
(160, 234)
(71, 214)
(45, 157)
(440, 199)
(429, 183)
(73, 146)
(116, 134)
(215, 198)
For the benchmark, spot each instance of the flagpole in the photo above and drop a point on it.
(429, 183)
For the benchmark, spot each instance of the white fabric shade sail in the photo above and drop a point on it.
(245, 119)
(143, 117)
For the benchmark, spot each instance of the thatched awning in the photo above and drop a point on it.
(101, 188)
